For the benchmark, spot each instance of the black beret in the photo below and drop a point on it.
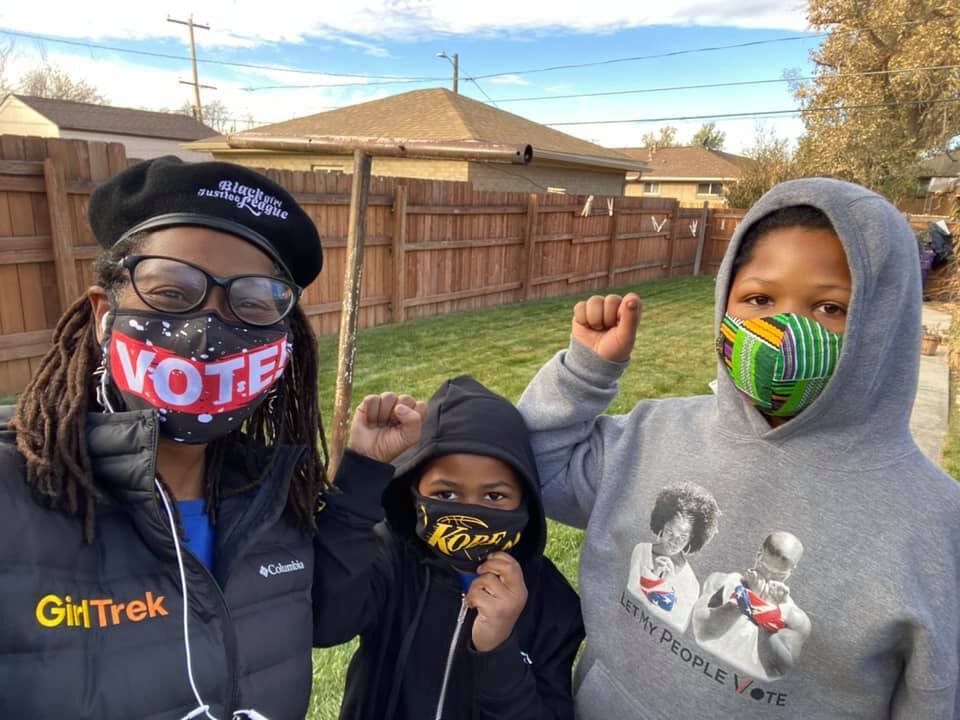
(231, 198)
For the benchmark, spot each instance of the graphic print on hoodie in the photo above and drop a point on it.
(830, 587)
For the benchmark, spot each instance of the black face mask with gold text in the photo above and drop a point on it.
(465, 534)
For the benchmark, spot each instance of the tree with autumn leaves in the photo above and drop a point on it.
(881, 98)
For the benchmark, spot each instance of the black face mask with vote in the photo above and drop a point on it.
(465, 534)
(204, 375)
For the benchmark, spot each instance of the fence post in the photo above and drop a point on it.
(701, 236)
(612, 245)
(61, 236)
(398, 311)
(353, 274)
(674, 224)
(529, 243)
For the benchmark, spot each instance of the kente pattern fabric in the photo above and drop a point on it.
(782, 362)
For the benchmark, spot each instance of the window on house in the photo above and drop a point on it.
(709, 188)
(651, 188)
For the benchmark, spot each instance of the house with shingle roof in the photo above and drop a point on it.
(145, 133)
(693, 175)
(938, 186)
(561, 162)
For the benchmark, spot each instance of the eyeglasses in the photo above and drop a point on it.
(176, 286)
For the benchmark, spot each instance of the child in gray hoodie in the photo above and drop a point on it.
(781, 549)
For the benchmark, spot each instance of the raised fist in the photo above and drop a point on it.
(385, 425)
(607, 325)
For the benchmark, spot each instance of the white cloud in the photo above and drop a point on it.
(126, 84)
(508, 80)
(359, 21)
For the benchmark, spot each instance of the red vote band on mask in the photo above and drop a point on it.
(203, 375)
(168, 380)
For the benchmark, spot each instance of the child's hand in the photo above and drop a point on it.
(385, 425)
(608, 325)
(499, 594)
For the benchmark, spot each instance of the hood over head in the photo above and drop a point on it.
(463, 416)
(863, 414)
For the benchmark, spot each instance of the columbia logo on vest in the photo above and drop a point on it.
(281, 568)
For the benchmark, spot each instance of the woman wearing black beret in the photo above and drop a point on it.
(159, 475)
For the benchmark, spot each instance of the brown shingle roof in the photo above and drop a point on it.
(688, 162)
(436, 115)
(69, 115)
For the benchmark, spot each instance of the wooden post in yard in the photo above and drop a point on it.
(61, 235)
(397, 309)
(672, 248)
(701, 236)
(530, 244)
(347, 342)
(612, 246)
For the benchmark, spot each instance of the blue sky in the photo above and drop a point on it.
(402, 37)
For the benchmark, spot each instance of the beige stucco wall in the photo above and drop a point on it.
(484, 176)
(16, 118)
(537, 178)
(142, 148)
(383, 167)
(685, 192)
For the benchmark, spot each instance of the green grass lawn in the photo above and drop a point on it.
(951, 448)
(503, 347)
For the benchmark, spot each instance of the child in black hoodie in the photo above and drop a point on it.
(459, 614)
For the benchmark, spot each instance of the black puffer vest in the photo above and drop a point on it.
(97, 630)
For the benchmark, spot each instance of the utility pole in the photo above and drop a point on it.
(197, 107)
(455, 62)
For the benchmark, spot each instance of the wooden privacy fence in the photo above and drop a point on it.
(432, 247)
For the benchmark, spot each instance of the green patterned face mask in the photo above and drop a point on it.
(781, 362)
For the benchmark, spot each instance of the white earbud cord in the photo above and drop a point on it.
(202, 707)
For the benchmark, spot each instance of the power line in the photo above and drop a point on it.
(736, 83)
(469, 78)
(350, 84)
(690, 51)
(473, 80)
(594, 63)
(672, 53)
(209, 61)
(757, 113)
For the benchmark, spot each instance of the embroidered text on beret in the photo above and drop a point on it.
(167, 191)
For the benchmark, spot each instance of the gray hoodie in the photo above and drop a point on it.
(827, 586)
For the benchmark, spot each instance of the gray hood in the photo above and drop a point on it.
(863, 415)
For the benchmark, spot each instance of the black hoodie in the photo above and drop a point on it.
(404, 601)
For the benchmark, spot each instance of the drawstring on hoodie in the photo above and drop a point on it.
(202, 707)
(461, 616)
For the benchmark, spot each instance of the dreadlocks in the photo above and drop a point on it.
(50, 418)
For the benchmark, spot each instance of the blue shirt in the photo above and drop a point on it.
(199, 531)
(465, 579)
